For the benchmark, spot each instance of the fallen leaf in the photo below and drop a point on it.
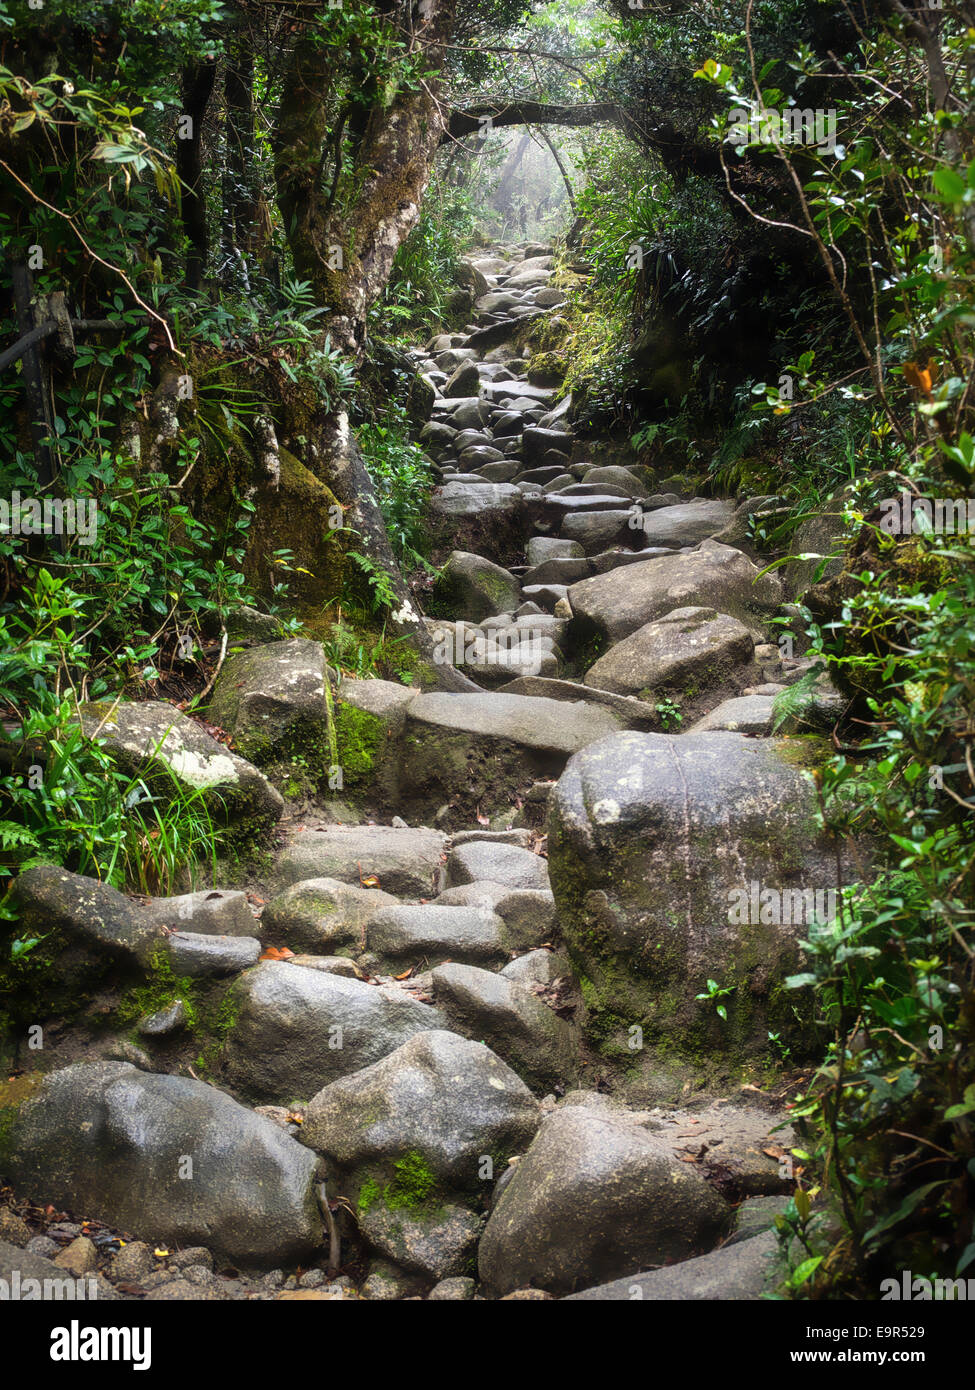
(920, 377)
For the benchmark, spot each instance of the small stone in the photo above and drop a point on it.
(41, 1245)
(126, 1051)
(192, 1255)
(164, 1021)
(175, 1291)
(198, 1275)
(80, 1257)
(14, 1230)
(456, 1290)
(312, 1279)
(132, 1262)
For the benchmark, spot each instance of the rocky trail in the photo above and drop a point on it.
(450, 1041)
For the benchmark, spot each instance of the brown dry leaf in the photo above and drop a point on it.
(405, 975)
(773, 1151)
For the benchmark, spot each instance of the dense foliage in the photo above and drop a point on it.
(789, 319)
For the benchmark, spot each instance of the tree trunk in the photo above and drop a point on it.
(198, 80)
(240, 185)
(337, 460)
(347, 253)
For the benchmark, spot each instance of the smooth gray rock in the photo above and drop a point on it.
(404, 861)
(747, 714)
(599, 528)
(321, 914)
(533, 723)
(538, 441)
(437, 933)
(541, 548)
(687, 644)
(508, 864)
(271, 699)
(538, 968)
(216, 912)
(634, 714)
(470, 499)
(610, 475)
(440, 1096)
(464, 381)
(475, 456)
(541, 1047)
(595, 1197)
(199, 955)
(563, 569)
(687, 523)
(653, 841)
(113, 1142)
(295, 1030)
(714, 575)
(734, 1273)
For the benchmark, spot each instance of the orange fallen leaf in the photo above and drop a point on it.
(405, 975)
(276, 953)
(919, 377)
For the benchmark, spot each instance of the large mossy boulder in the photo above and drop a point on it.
(295, 511)
(659, 850)
(271, 700)
(153, 734)
(170, 1159)
(85, 930)
(472, 588)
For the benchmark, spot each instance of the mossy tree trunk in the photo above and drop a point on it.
(345, 246)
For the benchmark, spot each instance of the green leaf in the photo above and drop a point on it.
(903, 1211)
(950, 184)
(805, 1271)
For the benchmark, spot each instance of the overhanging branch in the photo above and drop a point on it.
(471, 119)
